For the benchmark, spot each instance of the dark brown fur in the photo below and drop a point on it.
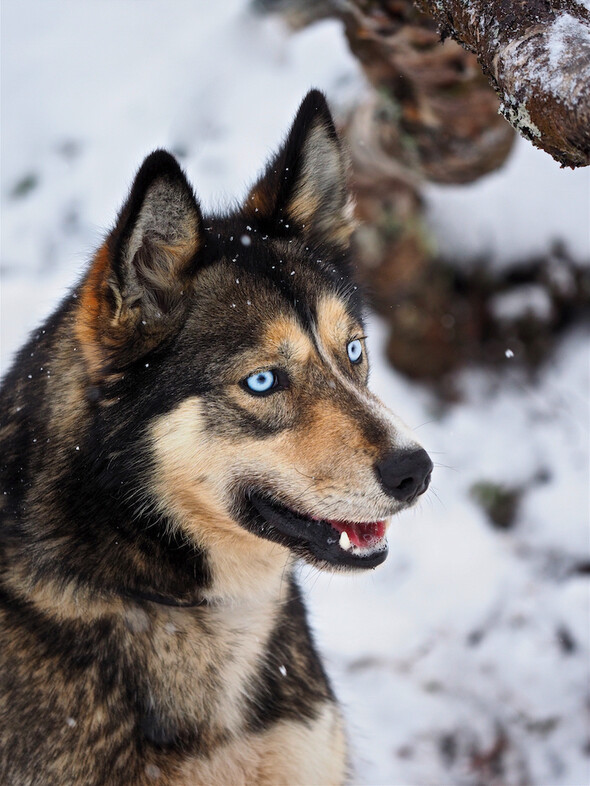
(150, 627)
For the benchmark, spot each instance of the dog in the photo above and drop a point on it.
(192, 420)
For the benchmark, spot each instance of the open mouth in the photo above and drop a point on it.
(340, 543)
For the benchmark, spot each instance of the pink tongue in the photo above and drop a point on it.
(361, 534)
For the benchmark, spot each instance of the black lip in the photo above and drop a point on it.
(313, 540)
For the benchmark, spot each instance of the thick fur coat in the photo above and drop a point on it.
(192, 419)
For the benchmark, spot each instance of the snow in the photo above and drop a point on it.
(526, 300)
(515, 213)
(567, 35)
(469, 639)
(554, 61)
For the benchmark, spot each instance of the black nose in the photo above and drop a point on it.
(405, 474)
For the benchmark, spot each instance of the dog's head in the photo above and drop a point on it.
(236, 347)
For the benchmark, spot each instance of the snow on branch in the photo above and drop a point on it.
(537, 55)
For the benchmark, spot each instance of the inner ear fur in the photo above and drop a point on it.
(135, 293)
(305, 186)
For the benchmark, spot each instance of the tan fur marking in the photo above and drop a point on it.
(91, 310)
(286, 337)
(298, 755)
(289, 754)
(283, 343)
(64, 602)
(335, 327)
(305, 203)
(334, 439)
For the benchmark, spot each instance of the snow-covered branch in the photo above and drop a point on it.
(537, 55)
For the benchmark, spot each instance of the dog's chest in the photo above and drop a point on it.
(200, 667)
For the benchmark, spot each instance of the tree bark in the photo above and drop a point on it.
(537, 55)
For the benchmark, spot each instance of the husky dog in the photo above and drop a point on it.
(191, 420)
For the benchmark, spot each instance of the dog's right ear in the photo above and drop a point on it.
(135, 293)
(305, 187)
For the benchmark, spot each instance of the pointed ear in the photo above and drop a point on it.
(135, 293)
(305, 189)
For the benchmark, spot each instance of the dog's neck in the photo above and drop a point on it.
(228, 580)
(255, 572)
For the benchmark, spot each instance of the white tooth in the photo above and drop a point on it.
(344, 541)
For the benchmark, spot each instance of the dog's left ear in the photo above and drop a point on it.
(304, 188)
(135, 294)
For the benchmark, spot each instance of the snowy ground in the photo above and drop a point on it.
(464, 660)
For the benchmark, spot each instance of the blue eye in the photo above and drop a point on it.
(261, 382)
(355, 351)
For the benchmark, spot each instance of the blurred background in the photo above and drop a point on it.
(464, 660)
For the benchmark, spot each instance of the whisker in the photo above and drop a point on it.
(433, 491)
(426, 423)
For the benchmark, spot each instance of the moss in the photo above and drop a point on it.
(25, 185)
(518, 116)
(500, 503)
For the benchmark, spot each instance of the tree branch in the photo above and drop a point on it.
(537, 55)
